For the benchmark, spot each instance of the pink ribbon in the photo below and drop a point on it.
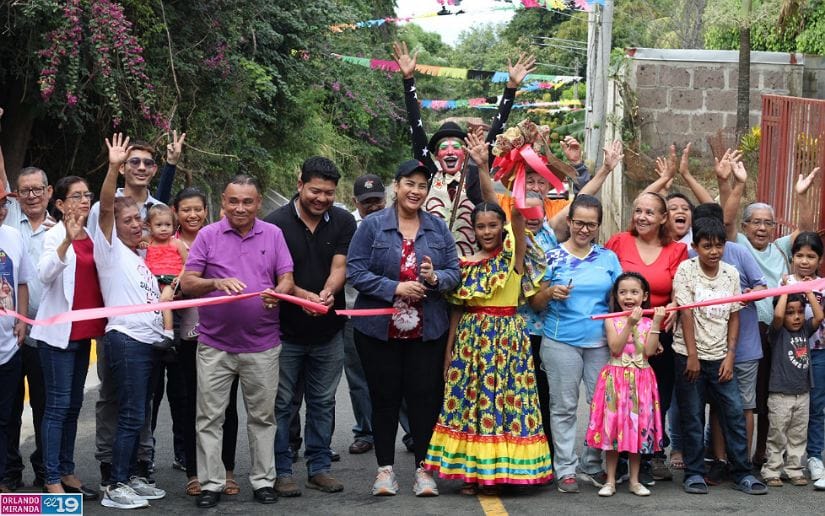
(111, 311)
(796, 288)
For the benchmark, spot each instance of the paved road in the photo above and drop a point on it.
(357, 473)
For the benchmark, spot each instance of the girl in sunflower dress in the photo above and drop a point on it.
(489, 431)
(624, 414)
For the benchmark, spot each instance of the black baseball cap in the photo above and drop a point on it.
(368, 186)
(411, 166)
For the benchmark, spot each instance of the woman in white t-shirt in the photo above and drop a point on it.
(70, 282)
(126, 280)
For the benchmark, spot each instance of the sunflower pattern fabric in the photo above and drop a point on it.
(490, 430)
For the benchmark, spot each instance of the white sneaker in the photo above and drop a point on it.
(424, 484)
(816, 468)
(385, 483)
(121, 496)
(145, 490)
(819, 485)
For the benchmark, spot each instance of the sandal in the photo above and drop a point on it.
(750, 485)
(677, 461)
(193, 487)
(469, 489)
(695, 484)
(231, 488)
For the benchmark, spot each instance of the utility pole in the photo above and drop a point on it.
(599, 45)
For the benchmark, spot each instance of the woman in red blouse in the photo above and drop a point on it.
(70, 282)
(648, 249)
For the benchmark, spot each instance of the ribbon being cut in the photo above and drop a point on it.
(526, 146)
(105, 312)
(796, 288)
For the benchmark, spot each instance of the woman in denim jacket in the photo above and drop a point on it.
(405, 258)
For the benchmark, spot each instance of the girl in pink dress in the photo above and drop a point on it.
(625, 415)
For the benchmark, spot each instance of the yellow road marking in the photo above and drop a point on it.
(92, 360)
(492, 505)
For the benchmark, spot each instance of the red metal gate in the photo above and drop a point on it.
(792, 143)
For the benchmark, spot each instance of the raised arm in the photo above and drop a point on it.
(167, 175)
(731, 205)
(666, 174)
(118, 151)
(525, 65)
(613, 155)
(699, 191)
(572, 150)
(806, 212)
(479, 152)
(418, 136)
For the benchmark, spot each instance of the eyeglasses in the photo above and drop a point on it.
(580, 224)
(147, 162)
(32, 192)
(4, 202)
(77, 197)
(756, 223)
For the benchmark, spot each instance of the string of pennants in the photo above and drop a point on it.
(552, 5)
(549, 81)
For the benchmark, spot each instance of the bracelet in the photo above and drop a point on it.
(655, 332)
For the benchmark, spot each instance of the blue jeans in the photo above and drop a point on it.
(131, 364)
(359, 392)
(691, 397)
(10, 374)
(673, 425)
(816, 422)
(64, 375)
(321, 365)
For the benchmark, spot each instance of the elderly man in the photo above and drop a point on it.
(758, 226)
(240, 339)
(29, 216)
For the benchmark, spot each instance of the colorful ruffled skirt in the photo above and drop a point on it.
(625, 414)
(490, 430)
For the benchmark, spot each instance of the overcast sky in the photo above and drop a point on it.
(450, 27)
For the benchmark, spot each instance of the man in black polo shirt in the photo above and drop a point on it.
(312, 346)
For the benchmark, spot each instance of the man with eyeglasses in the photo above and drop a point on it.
(28, 215)
(757, 235)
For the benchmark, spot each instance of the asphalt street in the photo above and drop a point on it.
(357, 473)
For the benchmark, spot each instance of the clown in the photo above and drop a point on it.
(455, 185)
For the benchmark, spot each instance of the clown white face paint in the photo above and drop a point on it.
(450, 155)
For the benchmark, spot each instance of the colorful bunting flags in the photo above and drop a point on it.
(552, 5)
(458, 73)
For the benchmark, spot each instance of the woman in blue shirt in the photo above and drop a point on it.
(579, 276)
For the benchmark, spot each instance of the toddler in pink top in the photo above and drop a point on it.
(165, 256)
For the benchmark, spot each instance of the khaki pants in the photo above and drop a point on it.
(258, 373)
(787, 434)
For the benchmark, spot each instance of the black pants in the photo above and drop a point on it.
(168, 379)
(663, 368)
(187, 354)
(410, 370)
(543, 387)
(37, 400)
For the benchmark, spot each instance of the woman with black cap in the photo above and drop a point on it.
(405, 258)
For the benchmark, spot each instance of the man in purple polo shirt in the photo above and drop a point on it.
(239, 253)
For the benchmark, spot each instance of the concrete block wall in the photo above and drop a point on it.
(687, 95)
